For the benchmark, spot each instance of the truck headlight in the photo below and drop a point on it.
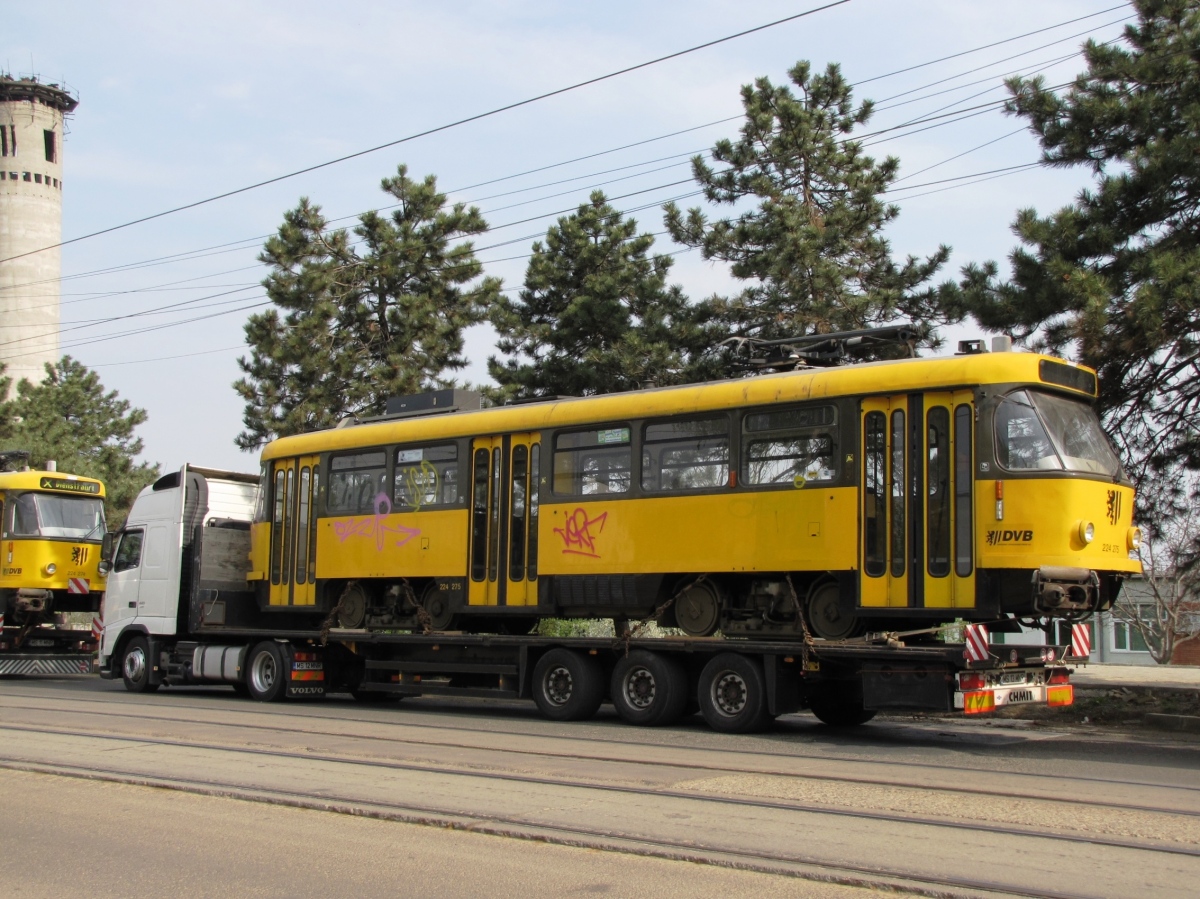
(1087, 532)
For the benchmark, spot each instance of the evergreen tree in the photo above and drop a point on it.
(811, 247)
(1113, 279)
(69, 418)
(596, 314)
(356, 322)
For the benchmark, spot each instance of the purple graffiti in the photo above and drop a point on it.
(374, 526)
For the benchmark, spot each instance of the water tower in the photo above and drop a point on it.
(31, 186)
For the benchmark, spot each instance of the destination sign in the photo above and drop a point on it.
(63, 484)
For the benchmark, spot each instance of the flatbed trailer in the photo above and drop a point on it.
(179, 610)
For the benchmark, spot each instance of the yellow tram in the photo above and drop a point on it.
(51, 528)
(882, 496)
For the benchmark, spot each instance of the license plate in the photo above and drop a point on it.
(41, 643)
(1012, 677)
(1020, 696)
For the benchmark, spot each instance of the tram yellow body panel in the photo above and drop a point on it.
(404, 544)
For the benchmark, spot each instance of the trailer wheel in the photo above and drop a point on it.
(733, 694)
(567, 686)
(649, 689)
(840, 707)
(135, 666)
(266, 678)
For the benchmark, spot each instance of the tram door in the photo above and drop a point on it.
(505, 473)
(294, 485)
(916, 513)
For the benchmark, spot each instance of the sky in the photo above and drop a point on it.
(184, 101)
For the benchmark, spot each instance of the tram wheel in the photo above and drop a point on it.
(698, 610)
(135, 666)
(828, 617)
(567, 685)
(437, 603)
(352, 607)
(733, 694)
(266, 678)
(649, 689)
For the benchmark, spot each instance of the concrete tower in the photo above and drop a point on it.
(31, 185)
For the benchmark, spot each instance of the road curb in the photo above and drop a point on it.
(1184, 723)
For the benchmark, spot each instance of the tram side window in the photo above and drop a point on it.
(25, 519)
(129, 551)
(592, 463)
(355, 482)
(426, 476)
(685, 455)
(789, 446)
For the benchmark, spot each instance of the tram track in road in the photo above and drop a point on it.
(1065, 789)
(740, 801)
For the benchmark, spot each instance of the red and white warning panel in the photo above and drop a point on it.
(78, 585)
(1081, 641)
(97, 628)
(977, 639)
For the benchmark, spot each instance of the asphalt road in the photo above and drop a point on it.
(195, 790)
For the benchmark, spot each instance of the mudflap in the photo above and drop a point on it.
(783, 686)
(919, 687)
(306, 672)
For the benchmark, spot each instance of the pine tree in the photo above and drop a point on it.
(811, 248)
(596, 314)
(69, 418)
(1113, 280)
(357, 321)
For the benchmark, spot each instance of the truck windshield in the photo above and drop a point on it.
(49, 515)
(1039, 431)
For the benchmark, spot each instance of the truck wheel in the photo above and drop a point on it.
(567, 686)
(135, 666)
(649, 689)
(266, 678)
(733, 695)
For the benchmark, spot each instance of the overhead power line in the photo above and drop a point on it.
(440, 128)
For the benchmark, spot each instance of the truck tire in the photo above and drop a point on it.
(567, 685)
(733, 694)
(266, 676)
(840, 706)
(135, 666)
(649, 689)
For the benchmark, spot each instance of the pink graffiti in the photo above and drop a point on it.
(577, 535)
(374, 526)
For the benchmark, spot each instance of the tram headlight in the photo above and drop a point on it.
(1087, 532)
(1134, 539)
(49, 569)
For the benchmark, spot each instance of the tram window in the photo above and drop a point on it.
(962, 491)
(938, 514)
(479, 510)
(426, 476)
(129, 551)
(312, 526)
(494, 533)
(277, 528)
(593, 462)
(1022, 441)
(898, 498)
(304, 504)
(355, 482)
(685, 455)
(535, 461)
(789, 446)
(516, 543)
(875, 488)
(25, 521)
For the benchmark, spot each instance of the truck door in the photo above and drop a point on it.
(916, 512)
(505, 473)
(121, 593)
(294, 486)
(158, 593)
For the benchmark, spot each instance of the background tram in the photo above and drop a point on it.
(51, 528)
(882, 496)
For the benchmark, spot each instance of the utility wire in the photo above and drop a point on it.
(440, 128)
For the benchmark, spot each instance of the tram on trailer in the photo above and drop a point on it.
(822, 502)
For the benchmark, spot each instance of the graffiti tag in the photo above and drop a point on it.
(422, 484)
(375, 526)
(579, 533)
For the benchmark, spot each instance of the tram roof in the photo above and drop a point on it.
(51, 482)
(861, 379)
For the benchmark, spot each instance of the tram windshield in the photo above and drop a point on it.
(50, 515)
(1039, 431)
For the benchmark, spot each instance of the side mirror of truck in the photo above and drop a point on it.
(106, 547)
